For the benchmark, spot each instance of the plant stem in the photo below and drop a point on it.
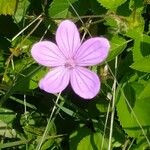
(113, 106)
(48, 124)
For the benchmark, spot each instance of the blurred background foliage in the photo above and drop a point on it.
(30, 118)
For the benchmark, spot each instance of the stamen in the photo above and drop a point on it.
(70, 63)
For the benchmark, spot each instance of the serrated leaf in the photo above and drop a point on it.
(146, 91)
(141, 44)
(140, 106)
(137, 54)
(118, 44)
(111, 5)
(142, 65)
(60, 8)
(8, 7)
(97, 8)
(138, 5)
(21, 9)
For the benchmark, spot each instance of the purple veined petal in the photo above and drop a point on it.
(55, 81)
(85, 83)
(92, 51)
(68, 38)
(47, 53)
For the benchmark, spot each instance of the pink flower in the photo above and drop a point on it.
(69, 59)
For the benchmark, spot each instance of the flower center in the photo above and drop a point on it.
(70, 63)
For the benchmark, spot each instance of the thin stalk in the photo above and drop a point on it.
(83, 17)
(25, 28)
(25, 106)
(132, 111)
(45, 32)
(105, 127)
(78, 17)
(131, 144)
(126, 144)
(48, 124)
(113, 106)
(19, 101)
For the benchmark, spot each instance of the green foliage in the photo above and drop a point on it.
(6, 118)
(142, 65)
(84, 139)
(118, 44)
(111, 5)
(130, 106)
(60, 8)
(77, 136)
(92, 142)
(29, 78)
(8, 8)
(21, 10)
(141, 44)
(6, 115)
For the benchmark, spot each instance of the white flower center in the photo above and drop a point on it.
(70, 63)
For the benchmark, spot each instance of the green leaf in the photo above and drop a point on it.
(6, 131)
(118, 44)
(141, 44)
(141, 144)
(136, 20)
(6, 118)
(97, 8)
(146, 91)
(21, 9)
(116, 25)
(9, 145)
(60, 8)
(137, 54)
(138, 5)
(78, 5)
(111, 5)
(8, 7)
(92, 142)
(131, 92)
(47, 144)
(84, 139)
(77, 136)
(37, 75)
(29, 78)
(142, 65)
(7, 115)
(124, 10)
(102, 106)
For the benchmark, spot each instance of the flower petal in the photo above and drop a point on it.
(67, 38)
(92, 52)
(56, 80)
(85, 83)
(47, 53)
